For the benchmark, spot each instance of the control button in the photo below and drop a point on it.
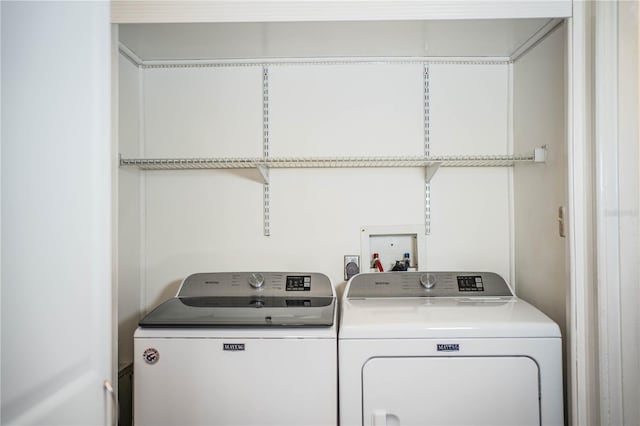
(427, 281)
(256, 280)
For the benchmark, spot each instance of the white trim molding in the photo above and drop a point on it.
(583, 395)
(166, 11)
(608, 213)
(628, 211)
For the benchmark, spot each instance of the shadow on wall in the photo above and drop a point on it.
(169, 292)
(340, 286)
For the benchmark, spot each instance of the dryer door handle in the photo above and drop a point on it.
(382, 418)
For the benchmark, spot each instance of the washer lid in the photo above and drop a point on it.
(248, 299)
(242, 311)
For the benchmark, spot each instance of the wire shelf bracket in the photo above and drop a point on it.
(264, 173)
(431, 171)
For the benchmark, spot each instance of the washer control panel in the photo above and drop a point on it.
(248, 299)
(428, 284)
(268, 284)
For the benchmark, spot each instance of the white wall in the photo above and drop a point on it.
(471, 207)
(211, 220)
(129, 210)
(539, 119)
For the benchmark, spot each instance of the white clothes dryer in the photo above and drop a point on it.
(445, 348)
(239, 349)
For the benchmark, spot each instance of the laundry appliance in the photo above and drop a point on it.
(445, 348)
(239, 349)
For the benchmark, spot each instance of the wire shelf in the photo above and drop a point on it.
(288, 62)
(263, 164)
(324, 162)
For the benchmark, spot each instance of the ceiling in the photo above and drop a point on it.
(441, 38)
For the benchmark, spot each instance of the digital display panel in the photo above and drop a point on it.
(298, 283)
(470, 283)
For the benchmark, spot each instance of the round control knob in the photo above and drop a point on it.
(428, 281)
(256, 280)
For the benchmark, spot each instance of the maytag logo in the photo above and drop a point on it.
(448, 347)
(233, 346)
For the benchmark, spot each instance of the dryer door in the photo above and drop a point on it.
(451, 391)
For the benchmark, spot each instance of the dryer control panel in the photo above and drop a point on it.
(428, 284)
(470, 283)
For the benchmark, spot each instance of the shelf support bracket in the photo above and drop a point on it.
(540, 154)
(264, 172)
(430, 171)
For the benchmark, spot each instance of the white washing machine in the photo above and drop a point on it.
(446, 348)
(239, 349)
